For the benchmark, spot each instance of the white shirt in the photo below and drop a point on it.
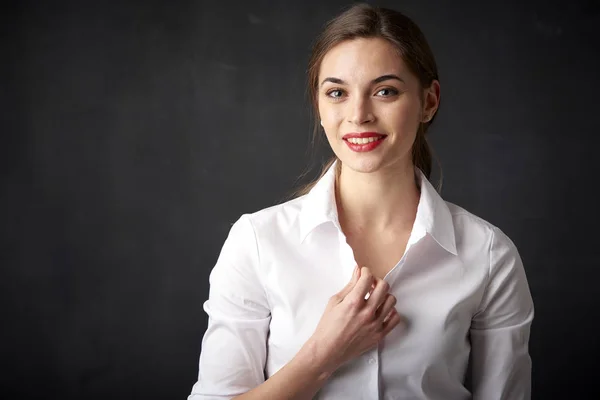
(460, 284)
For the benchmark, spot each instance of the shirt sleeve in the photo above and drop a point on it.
(501, 364)
(233, 355)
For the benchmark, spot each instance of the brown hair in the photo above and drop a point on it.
(366, 21)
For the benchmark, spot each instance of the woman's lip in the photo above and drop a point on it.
(362, 135)
(364, 147)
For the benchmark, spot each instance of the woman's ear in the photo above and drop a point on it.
(431, 101)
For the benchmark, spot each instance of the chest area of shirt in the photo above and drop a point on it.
(433, 290)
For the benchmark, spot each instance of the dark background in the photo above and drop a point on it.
(134, 134)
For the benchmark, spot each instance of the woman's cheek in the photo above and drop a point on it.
(403, 118)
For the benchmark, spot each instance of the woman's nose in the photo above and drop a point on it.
(360, 112)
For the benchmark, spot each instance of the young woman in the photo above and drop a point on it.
(369, 285)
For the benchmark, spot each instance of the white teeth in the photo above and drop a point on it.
(362, 140)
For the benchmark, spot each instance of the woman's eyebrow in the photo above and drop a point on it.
(337, 81)
(387, 77)
(380, 79)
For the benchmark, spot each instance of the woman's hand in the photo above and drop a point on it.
(352, 325)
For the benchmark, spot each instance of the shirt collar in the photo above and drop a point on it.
(433, 216)
(319, 205)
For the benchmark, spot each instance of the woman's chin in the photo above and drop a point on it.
(361, 164)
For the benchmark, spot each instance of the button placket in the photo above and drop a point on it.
(374, 373)
(373, 356)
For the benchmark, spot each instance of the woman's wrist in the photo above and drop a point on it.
(311, 359)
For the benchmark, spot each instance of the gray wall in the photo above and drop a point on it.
(134, 134)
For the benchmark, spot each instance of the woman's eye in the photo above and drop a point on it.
(336, 93)
(387, 92)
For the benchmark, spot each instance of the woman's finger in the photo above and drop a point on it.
(393, 320)
(362, 287)
(350, 285)
(378, 294)
(386, 308)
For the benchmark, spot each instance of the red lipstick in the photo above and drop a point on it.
(375, 139)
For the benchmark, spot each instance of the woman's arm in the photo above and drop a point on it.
(233, 352)
(300, 379)
(501, 365)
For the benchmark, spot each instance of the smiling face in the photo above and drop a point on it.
(370, 104)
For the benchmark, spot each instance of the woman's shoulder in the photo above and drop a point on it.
(467, 223)
(280, 216)
(469, 217)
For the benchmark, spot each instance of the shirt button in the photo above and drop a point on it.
(371, 361)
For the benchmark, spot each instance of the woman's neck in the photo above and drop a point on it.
(377, 201)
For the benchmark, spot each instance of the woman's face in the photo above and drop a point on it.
(370, 104)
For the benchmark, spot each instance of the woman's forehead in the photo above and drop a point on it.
(364, 58)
